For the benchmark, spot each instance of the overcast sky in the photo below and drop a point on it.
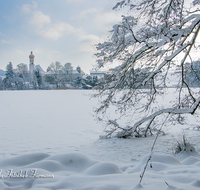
(55, 30)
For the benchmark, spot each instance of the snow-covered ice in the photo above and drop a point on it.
(49, 141)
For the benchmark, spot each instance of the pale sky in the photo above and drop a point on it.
(55, 30)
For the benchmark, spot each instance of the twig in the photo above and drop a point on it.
(141, 176)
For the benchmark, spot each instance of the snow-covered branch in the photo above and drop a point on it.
(170, 111)
(151, 45)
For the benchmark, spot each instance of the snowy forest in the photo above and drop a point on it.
(57, 77)
(64, 77)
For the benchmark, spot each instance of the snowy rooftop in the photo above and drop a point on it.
(97, 72)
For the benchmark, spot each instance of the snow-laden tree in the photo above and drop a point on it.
(95, 81)
(39, 78)
(149, 44)
(9, 80)
(1, 84)
(22, 70)
(88, 80)
(56, 71)
(21, 76)
(68, 73)
(18, 82)
(78, 81)
(91, 80)
(68, 68)
(193, 74)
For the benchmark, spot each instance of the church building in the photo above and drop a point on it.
(31, 67)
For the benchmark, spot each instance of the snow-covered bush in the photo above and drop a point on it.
(184, 146)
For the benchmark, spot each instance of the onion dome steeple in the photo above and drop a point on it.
(31, 67)
(31, 56)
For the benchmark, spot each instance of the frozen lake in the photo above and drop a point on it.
(61, 121)
(56, 122)
(46, 121)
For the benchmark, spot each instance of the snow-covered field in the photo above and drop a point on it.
(49, 140)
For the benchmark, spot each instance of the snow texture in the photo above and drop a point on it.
(49, 141)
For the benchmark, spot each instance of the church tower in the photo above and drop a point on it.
(31, 66)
